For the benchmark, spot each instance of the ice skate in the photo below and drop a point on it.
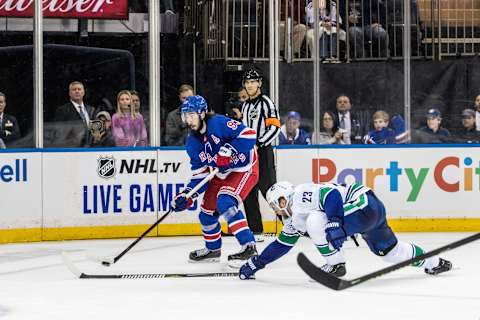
(337, 270)
(443, 266)
(204, 255)
(236, 260)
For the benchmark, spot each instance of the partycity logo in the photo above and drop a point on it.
(450, 174)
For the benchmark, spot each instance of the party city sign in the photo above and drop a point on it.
(449, 174)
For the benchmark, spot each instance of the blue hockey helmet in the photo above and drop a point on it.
(196, 104)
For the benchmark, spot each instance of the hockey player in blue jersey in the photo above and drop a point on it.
(330, 213)
(218, 141)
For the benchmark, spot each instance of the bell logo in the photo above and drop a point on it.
(17, 172)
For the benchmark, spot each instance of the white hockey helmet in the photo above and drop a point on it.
(279, 190)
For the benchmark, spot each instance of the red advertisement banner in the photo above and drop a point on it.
(85, 9)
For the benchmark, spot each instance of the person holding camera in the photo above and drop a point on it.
(330, 132)
(101, 130)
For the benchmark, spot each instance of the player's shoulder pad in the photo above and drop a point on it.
(220, 123)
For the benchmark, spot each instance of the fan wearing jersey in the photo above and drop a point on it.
(331, 213)
(224, 143)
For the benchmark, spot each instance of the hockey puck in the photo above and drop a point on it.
(106, 263)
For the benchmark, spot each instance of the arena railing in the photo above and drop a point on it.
(237, 30)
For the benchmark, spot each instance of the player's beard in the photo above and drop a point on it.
(200, 127)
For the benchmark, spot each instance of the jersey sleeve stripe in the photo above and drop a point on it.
(272, 122)
(271, 133)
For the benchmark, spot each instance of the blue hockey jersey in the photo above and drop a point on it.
(221, 131)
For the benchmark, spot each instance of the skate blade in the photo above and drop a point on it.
(236, 264)
(209, 260)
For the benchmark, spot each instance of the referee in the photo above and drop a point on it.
(261, 114)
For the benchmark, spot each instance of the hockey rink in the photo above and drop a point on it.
(35, 284)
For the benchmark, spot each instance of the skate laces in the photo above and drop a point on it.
(203, 251)
(327, 268)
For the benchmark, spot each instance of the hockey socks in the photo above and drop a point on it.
(237, 224)
(211, 231)
(405, 251)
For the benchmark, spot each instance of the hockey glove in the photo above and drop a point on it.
(224, 158)
(247, 271)
(336, 235)
(181, 202)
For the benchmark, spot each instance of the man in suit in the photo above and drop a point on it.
(73, 119)
(9, 129)
(355, 123)
(176, 130)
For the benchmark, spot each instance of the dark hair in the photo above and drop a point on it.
(335, 122)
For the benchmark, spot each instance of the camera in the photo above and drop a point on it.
(97, 126)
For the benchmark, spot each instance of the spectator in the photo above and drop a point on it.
(382, 133)
(298, 30)
(176, 131)
(128, 128)
(330, 132)
(235, 105)
(436, 133)
(73, 118)
(355, 124)
(136, 102)
(9, 128)
(397, 123)
(365, 21)
(101, 130)
(477, 112)
(291, 133)
(468, 133)
(327, 30)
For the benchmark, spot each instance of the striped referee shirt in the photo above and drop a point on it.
(261, 114)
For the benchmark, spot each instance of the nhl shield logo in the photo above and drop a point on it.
(106, 167)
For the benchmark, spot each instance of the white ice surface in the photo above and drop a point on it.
(35, 284)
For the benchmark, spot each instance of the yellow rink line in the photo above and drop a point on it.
(133, 231)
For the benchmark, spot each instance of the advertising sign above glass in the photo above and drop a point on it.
(80, 9)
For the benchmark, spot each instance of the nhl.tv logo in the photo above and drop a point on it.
(106, 167)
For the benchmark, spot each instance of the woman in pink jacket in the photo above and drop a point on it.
(128, 127)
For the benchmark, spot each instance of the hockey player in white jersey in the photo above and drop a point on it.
(330, 213)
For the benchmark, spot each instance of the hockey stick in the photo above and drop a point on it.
(109, 261)
(339, 284)
(82, 275)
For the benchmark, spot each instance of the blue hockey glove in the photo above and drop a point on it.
(247, 271)
(336, 235)
(181, 202)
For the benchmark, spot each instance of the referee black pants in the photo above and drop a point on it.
(266, 178)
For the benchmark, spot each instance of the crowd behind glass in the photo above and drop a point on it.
(348, 30)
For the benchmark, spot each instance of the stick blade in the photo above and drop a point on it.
(319, 275)
(104, 261)
(69, 264)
